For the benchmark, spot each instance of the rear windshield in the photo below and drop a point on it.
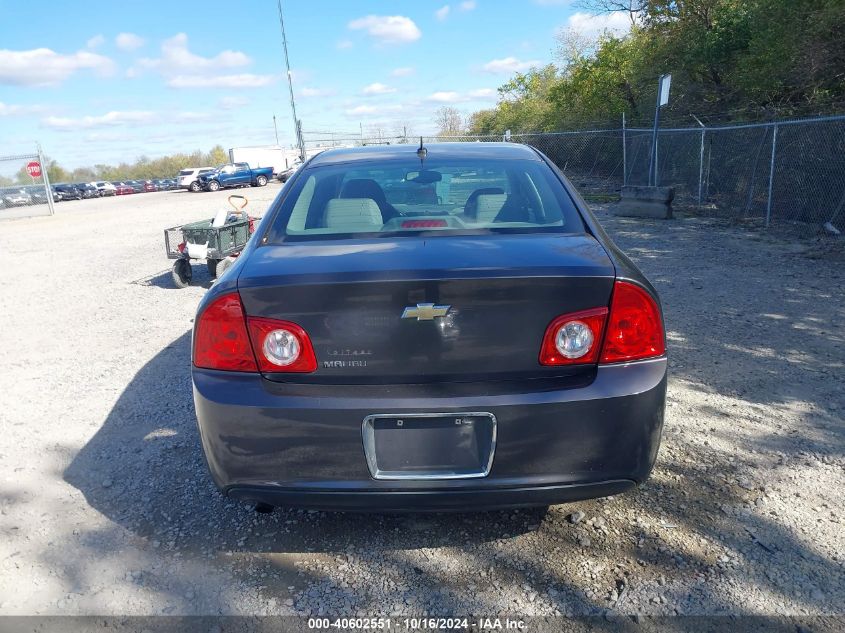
(450, 196)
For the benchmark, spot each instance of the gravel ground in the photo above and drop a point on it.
(106, 506)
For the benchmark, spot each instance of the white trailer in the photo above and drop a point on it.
(275, 156)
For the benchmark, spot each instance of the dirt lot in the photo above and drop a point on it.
(106, 507)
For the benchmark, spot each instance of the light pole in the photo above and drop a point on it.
(296, 124)
(275, 129)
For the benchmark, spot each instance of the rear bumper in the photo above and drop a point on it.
(428, 500)
(299, 445)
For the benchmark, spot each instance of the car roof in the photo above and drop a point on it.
(468, 150)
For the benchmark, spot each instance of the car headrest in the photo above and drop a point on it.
(363, 188)
(489, 206)
(353, 214)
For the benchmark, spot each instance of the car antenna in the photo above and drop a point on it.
(422, 152)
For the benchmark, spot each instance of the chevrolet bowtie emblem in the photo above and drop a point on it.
(425, 312)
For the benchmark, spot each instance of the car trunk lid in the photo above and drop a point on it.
(416, 309)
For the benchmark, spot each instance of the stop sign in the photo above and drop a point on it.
(34, 169)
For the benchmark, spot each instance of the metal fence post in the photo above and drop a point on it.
(624, 155)
(771, 176)
(47, 189)
(700, 157)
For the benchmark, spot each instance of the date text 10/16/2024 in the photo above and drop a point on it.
(417, 624)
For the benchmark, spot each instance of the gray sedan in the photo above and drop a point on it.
(433, 328)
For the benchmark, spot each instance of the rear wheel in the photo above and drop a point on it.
(223, 265)
(182, 273)
(194, 186)
(213, 185)
(261, 181)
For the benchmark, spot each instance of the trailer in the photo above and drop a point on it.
(275, 156)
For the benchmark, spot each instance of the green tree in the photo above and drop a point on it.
(729, 59)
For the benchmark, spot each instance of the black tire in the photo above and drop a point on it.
(223, 265)
(194, 186)
(213, 185)
(261, 181)
(212, 267)
(182, 273)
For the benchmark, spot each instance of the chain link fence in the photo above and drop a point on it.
(789, 174)
(24, 187)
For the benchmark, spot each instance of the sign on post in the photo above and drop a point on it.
(33, 168)
(665, 84)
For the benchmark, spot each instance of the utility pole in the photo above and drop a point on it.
(275, 129)
(296, 123)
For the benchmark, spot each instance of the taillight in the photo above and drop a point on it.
(574, 339)
(226, 339)
(631, 330)
(281, 346)
(634, 327)
(221, 340)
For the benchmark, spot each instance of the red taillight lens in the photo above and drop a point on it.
(574, 339)
(281, 346)
(423, 224)
(634, 327)
(221, 340)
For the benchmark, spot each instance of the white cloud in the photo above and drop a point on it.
(402, 72)
(508, 65)
(308, 92)
(176, 58)
(387, 29)
(373, 110)
(232, 103)
(445, 97)
(45, 67)
(483, 93)
(344, 44)
(244, 80)
(442, 13)
(451, 96)
(105, 120)
(94, 42)
(467, 5)
(7, 109)
(377, 89)
(129, 41)
(595, 25)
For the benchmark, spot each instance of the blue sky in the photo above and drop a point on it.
(100, 82)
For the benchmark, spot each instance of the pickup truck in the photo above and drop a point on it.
(235, 175)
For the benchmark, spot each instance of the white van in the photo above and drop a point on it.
(189, 178)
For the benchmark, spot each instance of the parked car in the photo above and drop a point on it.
(123, 189)
(137, 185)
(285, 174)
(149, 186)
(88, 190)
(15, 197)
(39, 194)
(68, 192)
(105, 188)
(235, 175)
(491, 348)
(189, 178)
